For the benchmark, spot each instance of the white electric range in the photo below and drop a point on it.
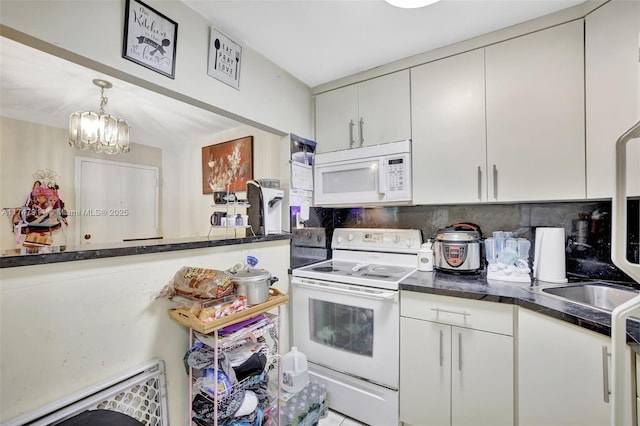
(346, 319)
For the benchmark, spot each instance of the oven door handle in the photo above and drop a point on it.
(376, 294)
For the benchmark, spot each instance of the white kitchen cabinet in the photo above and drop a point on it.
(502, 123)
(368, 113)
(448, 129)
(612, 93)
(563, 373)
(535, 115)
(456, 361)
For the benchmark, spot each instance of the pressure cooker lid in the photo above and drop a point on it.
(459, 232)
(252, 275)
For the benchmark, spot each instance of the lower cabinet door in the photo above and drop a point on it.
(482, 386)
(425, 372)
(454, 376)
(564, 373)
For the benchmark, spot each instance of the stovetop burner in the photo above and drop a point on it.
(369, 257)
(385, 269)
(361, 273)
(324, 269)
(366, 274)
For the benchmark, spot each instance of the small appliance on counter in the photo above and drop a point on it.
(457, 248)
(549, 263)
(426, 257)
(507, 258)
(265, 206)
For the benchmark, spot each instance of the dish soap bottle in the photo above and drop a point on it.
(426, 257)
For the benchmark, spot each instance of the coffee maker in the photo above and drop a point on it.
(265, 207)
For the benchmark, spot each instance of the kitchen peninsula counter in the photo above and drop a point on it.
(37, 256)
(476, 287)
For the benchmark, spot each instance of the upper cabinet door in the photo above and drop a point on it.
(369, 113)
(535, 116)
(385, 109)
(448, 126)
(613, 94)
(337, 119)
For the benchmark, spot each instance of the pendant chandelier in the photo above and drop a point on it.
(99, 132)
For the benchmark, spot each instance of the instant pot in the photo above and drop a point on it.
(457, 248)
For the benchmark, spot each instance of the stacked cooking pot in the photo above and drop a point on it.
(254, 284)
(457, 248)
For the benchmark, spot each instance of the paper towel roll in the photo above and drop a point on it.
(549, 261)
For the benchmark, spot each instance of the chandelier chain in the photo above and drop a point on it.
(103, 100)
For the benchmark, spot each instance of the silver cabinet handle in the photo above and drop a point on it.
(351, 141)
(438, 310)
(479, 183)
(361, 131)
(441, 348)
(495, 182)
(605, 373)
(459, 351)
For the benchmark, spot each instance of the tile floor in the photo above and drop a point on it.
(337, 419)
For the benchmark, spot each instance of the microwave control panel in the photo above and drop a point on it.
(396, 174)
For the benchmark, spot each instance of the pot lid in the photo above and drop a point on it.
(459, 232)
(252, 275)
(457, 236)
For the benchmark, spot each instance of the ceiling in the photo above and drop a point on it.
(316, 41)
(42, 88)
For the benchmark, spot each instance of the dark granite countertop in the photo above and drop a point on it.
(55, 254)
(476, 287)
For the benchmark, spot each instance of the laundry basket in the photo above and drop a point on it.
(139, 393)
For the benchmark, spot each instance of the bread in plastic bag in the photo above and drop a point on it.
(202, 283)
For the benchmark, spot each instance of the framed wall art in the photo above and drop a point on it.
(227, 166)
(149, 38)
(225, 59)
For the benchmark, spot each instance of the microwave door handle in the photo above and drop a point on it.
(382, 177)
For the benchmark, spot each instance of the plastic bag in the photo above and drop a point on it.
(202, 283)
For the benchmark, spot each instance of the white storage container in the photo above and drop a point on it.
(294, 371)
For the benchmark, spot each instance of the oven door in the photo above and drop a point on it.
(347, 328)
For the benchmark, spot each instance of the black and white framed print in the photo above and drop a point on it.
(149, 38)
(225, 59)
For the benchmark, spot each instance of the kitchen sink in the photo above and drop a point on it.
(598, 295)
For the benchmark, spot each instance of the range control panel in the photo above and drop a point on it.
(377, 239)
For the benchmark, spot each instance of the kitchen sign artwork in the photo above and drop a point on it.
(149, 38)
(225, 57)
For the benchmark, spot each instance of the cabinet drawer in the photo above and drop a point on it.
(486, 316)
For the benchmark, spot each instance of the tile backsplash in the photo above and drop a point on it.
(587, 227)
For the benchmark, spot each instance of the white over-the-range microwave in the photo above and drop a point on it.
(367, 176)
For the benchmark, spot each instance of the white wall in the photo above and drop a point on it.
(94, 30)
(184, 211)
(28, 147)
(67, 326)
(187, 210)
